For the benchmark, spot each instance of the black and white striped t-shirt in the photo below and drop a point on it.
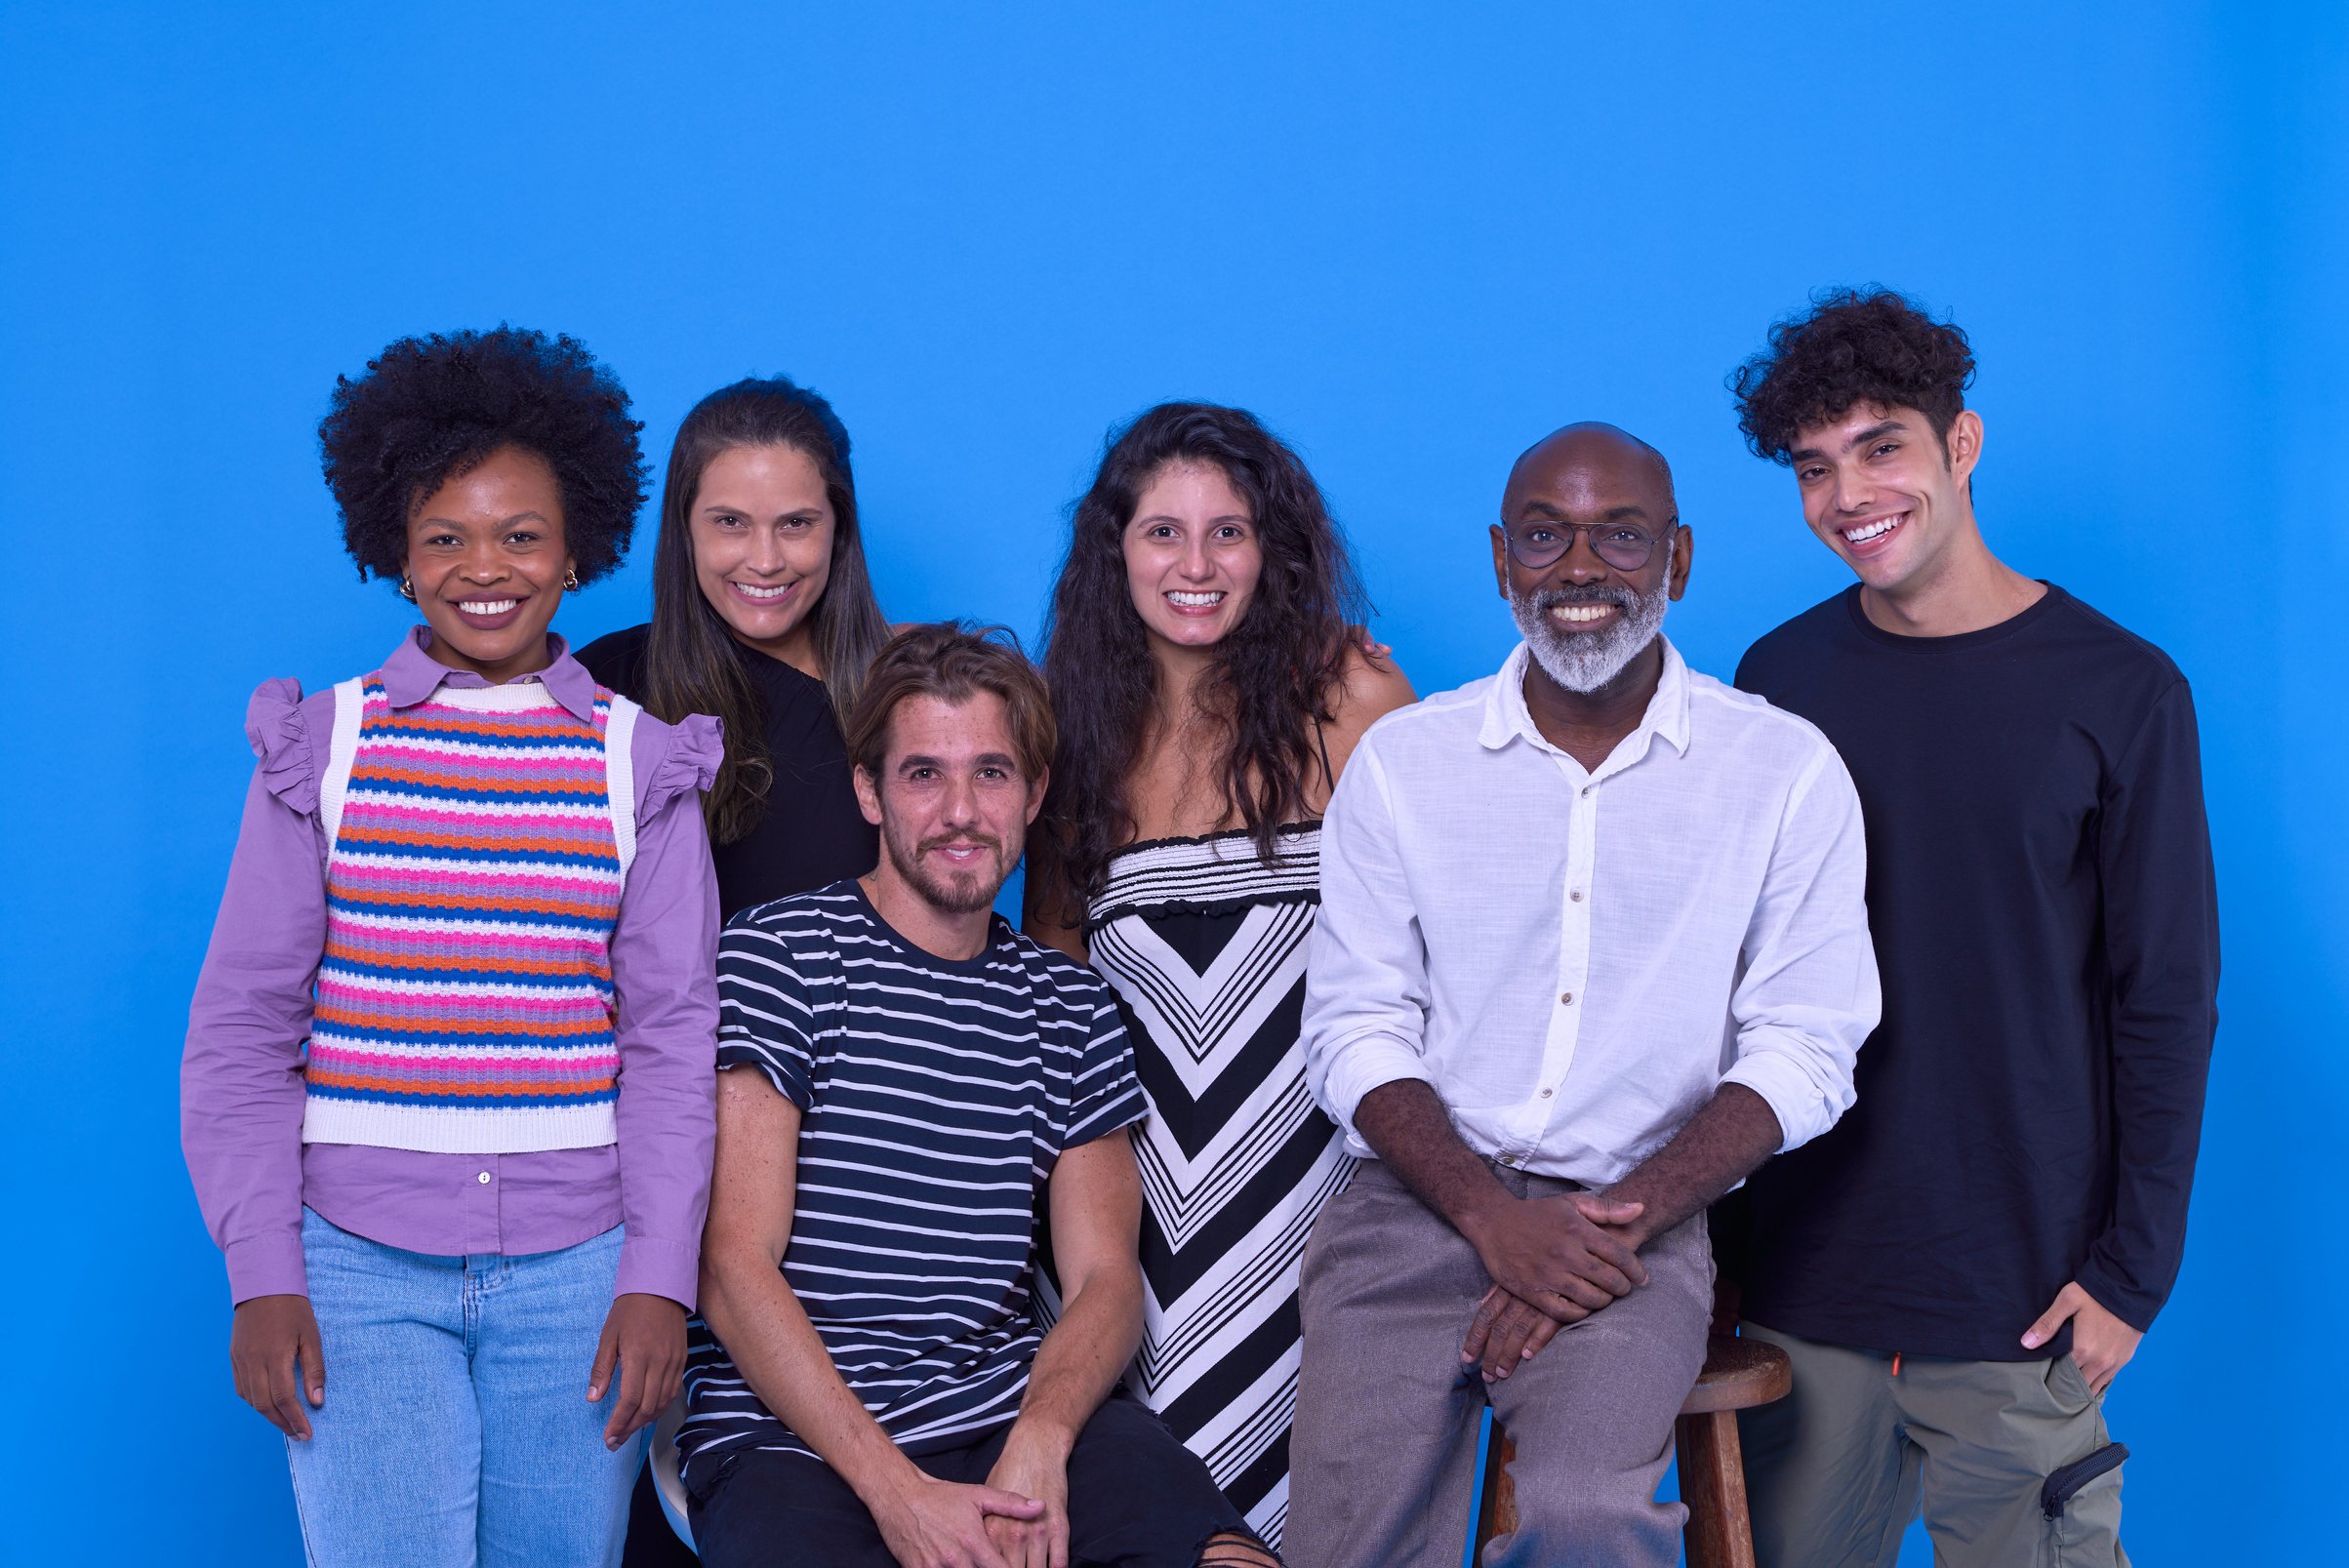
(936, 1095)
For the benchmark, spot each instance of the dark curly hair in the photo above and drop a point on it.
(1275, 674)
(1852, 346)
(430, 409)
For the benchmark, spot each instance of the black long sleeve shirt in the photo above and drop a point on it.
(2041, 894)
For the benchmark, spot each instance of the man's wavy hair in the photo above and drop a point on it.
(1852, 346)
(1275, 675)
(953, 661)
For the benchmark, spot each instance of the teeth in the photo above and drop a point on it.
(1876, 529)
(1200, 600)
(486, 607)
(1575, 614)
(751, 590)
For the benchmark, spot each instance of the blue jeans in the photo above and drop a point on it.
(457, 1429)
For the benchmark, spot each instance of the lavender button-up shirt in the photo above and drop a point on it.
(240, 1080)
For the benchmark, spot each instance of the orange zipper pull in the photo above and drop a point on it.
(1896, 1363)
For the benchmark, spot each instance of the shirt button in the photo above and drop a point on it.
(1508, 1159)
(483, 1177)
(1545, 1094)
(1586, 789)
(1576, 894)
(1565, 999)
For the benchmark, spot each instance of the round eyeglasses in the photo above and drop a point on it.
(1540, 543)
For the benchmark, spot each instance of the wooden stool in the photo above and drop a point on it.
(1738, 1375)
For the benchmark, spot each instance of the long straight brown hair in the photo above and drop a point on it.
(693, 664)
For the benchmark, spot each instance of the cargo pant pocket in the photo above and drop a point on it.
(2081, 1503)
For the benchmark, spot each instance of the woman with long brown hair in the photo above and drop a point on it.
(1210, 675)
(764, 614)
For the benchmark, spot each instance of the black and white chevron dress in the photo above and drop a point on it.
(1205, 945)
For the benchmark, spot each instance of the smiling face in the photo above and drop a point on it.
(1192, 556)
(1881, 491)
(761, 528)
(952, 802)
(1595, 498)
(486, 560)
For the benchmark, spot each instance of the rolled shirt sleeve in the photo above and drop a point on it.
(1366, 987)
(664, 972)
(1808, 996)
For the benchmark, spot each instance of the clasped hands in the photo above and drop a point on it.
(1554, 1260)
(1017, 1519)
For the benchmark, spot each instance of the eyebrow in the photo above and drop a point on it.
(810, 511)
(1169, 517)
(1613, 514)
(1880, 427)
(985, 759)
(451, 522)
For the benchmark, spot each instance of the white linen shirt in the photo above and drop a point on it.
(1575, 961)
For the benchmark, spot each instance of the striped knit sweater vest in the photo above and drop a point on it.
(479, 842)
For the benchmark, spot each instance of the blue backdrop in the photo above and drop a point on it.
(1412, 242)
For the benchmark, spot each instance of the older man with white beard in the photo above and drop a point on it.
(1591, 947)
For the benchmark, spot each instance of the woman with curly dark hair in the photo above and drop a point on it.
(764, 614)
(446, 1095)
(1210, 678)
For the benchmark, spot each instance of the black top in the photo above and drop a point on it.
(2040, 894)
(812, 834)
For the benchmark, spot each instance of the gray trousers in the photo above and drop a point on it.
(1382, 1456)
(1834, 1470)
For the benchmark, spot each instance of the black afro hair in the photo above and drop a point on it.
(1850, 347)
(432, 408)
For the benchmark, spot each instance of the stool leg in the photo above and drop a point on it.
(1712, 1484)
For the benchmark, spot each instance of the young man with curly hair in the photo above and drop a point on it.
(447, 1092)
(1960, 1267)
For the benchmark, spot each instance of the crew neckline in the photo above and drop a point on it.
(978, 963)
(1958, 641)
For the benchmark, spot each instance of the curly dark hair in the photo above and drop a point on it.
(1852, 346)
(1275, 674)
(431, 408)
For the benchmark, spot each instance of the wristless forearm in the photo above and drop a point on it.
(1713, 1151)
(1406, 1126)
(767, 1333)
(1081, 1359)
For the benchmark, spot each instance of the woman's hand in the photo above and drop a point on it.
(646, 1335)
(273, 1350)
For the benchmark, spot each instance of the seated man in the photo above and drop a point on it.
(904, 1081)
(1592, 946)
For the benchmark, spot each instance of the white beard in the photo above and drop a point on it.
(1585, 662)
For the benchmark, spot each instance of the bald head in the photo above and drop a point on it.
(1586, 455)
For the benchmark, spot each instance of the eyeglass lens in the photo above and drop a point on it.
(1622, 546)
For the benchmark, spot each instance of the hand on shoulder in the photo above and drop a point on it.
(1370, 686)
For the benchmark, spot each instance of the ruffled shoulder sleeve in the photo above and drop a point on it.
(691, 751)
(279, 723)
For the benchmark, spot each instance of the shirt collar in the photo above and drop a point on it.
(1506, 718)
(411, 675)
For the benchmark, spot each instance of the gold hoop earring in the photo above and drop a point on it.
(407, 588)
(570, 580)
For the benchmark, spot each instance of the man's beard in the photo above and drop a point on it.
(957, 892)
(1586, 661)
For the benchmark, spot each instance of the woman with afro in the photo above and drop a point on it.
(447, 1090)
